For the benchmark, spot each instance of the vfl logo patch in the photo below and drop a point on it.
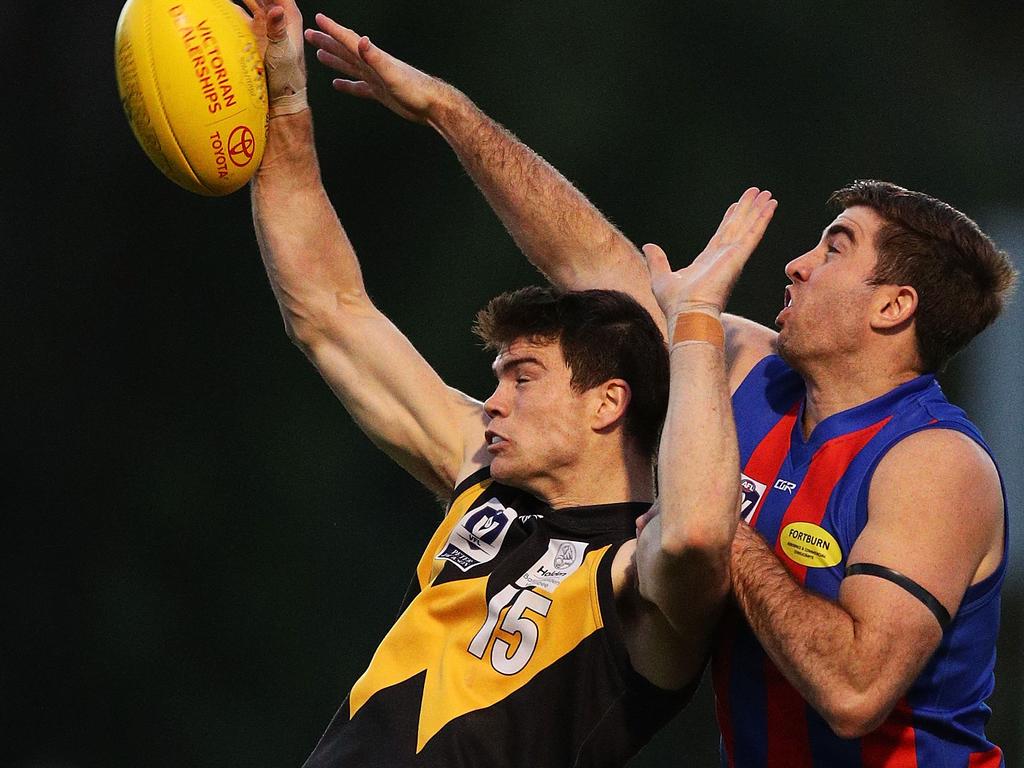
(752, 493)
(561, 561)
(478, 535)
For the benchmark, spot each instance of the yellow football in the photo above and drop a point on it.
(191, 81)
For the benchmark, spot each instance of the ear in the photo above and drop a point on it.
(894, 305)
(612, 400)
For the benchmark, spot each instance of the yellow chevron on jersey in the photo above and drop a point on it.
(509, 650)
(443, 621)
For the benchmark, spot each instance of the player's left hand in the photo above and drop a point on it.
(372, 73)
(708, 281)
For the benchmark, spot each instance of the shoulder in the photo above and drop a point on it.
(944, 459)
(746, 344)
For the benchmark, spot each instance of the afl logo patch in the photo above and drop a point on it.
(752, 493)
(478, 535)
(810, 545)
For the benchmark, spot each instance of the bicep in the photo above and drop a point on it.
(934, 519)
(934, 514)
(894, 632)
(397, 399)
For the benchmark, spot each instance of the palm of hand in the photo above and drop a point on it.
(710, 278)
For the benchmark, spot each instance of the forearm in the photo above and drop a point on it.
(698, 461)
(814, 642)
(683, 554)
(310, 262)
(552, 222)
(383, 382)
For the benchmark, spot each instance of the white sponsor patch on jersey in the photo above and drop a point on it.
(562, 559)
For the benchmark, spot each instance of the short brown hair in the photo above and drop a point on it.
(603, 335)
(962, 279)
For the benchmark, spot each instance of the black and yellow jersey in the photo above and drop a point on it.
(509, 651)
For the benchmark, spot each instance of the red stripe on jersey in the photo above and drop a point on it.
(991, 759)
(788, 740)
(766, 460)
(827, 467)
(720, 676)
(893, 744)
(789, 745)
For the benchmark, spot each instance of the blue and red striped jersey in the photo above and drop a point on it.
(808, 498)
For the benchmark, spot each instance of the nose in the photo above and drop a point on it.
(799, 269)
(496, 404)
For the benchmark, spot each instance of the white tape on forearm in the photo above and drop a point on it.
(289, 105)
(286, 78)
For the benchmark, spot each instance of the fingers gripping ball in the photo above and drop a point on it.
(191, 81)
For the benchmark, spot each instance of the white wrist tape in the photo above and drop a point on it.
(289, 105)
(286, 78)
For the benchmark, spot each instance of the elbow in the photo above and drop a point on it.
(310, 323)
(700, 524)
(710, 540)
(853, 715)
(304, 335)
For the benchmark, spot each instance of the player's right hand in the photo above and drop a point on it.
(371, 73)
(709, 279)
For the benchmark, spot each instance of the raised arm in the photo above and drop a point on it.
(558, 229)
(393, 394)
(682, 552)
(552, 222)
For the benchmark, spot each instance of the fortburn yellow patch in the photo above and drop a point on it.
(810, 545)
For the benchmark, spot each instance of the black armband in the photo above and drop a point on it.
(897, 578)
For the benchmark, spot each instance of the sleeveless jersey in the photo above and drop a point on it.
(509, 651)
(809, 500)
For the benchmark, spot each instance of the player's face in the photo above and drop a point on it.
(828, 305)
(538, 423)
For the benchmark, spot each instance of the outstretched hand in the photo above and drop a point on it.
(277, 25)
(708, 281)
(371, 73)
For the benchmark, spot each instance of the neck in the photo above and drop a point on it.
(833, 388)
(603, 480)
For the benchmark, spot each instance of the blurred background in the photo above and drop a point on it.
(201, 551)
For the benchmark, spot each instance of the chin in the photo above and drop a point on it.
(505, 473)
(789, 351)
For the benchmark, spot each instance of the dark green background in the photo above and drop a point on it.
(202, 552)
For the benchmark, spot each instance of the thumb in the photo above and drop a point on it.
(276, 25)
(657, 259)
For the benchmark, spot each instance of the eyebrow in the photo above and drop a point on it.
(841, 229)
(514, 362)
